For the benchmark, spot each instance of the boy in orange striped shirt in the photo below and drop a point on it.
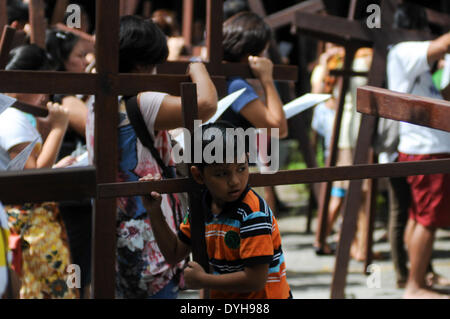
(242, 236)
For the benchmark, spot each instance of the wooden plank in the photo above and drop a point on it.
(6, 43)
(38, 22)
(188, 20)
(128, 7)
(287, 16)
(3, 14)
(32, 109)
(106, 148)
(291, 177)
(60, 184)
(59, 11)
(47, 82)
(404, 107)
(214, 21)
(280, 72)
(333, 29)
(438, 18)
(196, 213)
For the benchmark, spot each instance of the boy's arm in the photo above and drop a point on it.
(172, 248)
(248, 280)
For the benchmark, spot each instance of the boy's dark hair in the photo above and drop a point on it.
(29, 57)
(59, 45)
(244, 34)
(411, 16)
(17, 11)
(142, 43)
(210, 132)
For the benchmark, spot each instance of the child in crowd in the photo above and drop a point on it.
(242, 236)
(246, 37)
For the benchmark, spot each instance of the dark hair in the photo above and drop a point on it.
(60, 45)
(142, 43)
(17, 11)
(244, 34)
(29, 57)
(210, 132)
(232, 7)
(410, 16)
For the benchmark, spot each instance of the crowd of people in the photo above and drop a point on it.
(39, 241)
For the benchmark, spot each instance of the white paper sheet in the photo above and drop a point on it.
(82, 160)
(224, 104)
(18, 163)
(303, 103)
(5, 102)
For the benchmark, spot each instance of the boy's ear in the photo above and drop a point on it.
(197, 175)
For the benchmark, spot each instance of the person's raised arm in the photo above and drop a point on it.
(173, 249)
(260, 115)
(438, 48)
(170, 114)
(59, 120)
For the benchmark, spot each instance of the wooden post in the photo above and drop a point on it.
(196, 214)
(59, 11)
(214, 21)
(5, 45)
(3, 14)
(38, 22)
(106, 149)
(188, 20)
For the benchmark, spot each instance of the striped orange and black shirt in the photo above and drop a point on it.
(244, 234)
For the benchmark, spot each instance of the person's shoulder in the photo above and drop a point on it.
(237, 83)
(253, 204)
(11, 116)
(408, 48)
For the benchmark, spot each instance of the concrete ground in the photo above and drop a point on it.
(310, 276)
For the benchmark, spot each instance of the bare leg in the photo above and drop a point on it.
(420, 246)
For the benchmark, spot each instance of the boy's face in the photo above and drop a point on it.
(225, 182)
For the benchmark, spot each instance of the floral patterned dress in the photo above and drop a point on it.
(141, 268)
(44, 251)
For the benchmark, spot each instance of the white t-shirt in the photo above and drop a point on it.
(408, 72)
(15, 129)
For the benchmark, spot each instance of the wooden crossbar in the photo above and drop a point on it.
(88, 83)
(408, 108)
(291, 177)
(287, 16)
(60, 184)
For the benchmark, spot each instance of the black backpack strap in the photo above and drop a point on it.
(140, 128)
(142, 133)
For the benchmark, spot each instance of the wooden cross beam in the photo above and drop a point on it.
(404, 107)
(3, 14)
(38, 22)
(188, 20)
(128, 7)
(59, 11)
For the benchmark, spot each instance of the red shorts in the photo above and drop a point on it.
(430, 194)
